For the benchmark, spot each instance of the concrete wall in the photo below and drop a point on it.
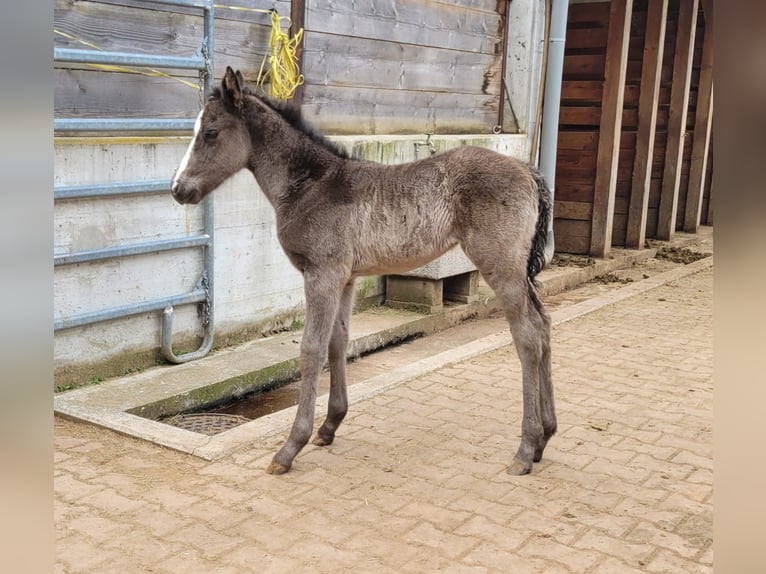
(257, 291)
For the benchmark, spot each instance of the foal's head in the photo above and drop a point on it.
(220, 146)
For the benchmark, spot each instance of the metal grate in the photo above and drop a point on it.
(206, 423)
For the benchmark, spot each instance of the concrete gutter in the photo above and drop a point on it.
(129, 404)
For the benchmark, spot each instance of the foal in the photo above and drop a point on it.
(340, 218)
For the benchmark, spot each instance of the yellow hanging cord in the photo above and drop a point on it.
(283, 73)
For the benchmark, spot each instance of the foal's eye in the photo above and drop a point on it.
(211, 134)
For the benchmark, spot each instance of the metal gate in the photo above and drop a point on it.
(202, 294)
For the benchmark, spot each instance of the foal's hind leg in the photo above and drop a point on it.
(527, 326)
(323, 291)
(338, 401)
(547, 406)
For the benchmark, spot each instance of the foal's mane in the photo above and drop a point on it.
(295, 119)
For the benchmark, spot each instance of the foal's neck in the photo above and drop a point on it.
(284, 157)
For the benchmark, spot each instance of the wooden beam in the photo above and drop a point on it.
(679, 103)
(707, 12)
(298, 19)
(651, 70)
(618, 37)
(701, 143)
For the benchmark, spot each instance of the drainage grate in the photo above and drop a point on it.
(206, 423)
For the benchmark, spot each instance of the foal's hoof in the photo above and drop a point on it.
(320, 440)
(276, 468)
(518, 468)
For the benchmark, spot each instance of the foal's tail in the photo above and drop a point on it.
(536, 260)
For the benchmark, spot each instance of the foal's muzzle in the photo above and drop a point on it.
(184, 192)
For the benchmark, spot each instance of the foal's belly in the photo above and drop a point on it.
(397, 259)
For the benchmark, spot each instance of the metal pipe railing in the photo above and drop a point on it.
(75, 56)
(122, 124)
(156, 246)
(82, 319)
(203, 291)
(88, 191)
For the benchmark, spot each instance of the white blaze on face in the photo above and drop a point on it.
(187, 155)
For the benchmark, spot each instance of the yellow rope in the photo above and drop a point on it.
(283, 73)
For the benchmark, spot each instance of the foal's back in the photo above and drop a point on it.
(406, 215)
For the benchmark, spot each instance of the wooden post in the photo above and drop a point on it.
(679, 103)
(651, 69)
(618, 37)
(703, 120)
(298, 19)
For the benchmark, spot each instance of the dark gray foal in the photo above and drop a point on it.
(340, 218)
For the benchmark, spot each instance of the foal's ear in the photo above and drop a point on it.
(232, 88)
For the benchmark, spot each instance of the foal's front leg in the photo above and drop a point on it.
(338, 402)
(322, 298)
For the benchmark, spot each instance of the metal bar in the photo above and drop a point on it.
(110, 189)
(76, 56)
(127, 310)
(135, 249)
(552, 104)
(208, 42)
(122, 124)
(187, 3)
(203, 293)
(166, 343)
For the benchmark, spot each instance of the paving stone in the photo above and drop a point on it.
(416, 481)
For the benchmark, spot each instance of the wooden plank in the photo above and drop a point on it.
(573, 210)
(679, 97)
(416, 22)
(577, 141)
(707, 10)
(297, 23)
(584, 67)
(572, 236)
(342, 110)
(710, 203)
(701, 141)
(581, 91)
(585, 39)
(574, 189)
(335, 60)
(647, 122)
(588, 15)
(96, 94)
(610, 127)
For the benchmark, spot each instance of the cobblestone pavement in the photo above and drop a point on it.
(416, 480)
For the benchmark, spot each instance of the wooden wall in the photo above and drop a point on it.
(380, 66)
(241, 39)
(403, 66)
(580, 126)
(579, 119)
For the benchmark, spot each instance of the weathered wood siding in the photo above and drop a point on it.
(660, 148)
(580, 116)
(403, 66)
(374, 67)
(582, 94)
(241, 39)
